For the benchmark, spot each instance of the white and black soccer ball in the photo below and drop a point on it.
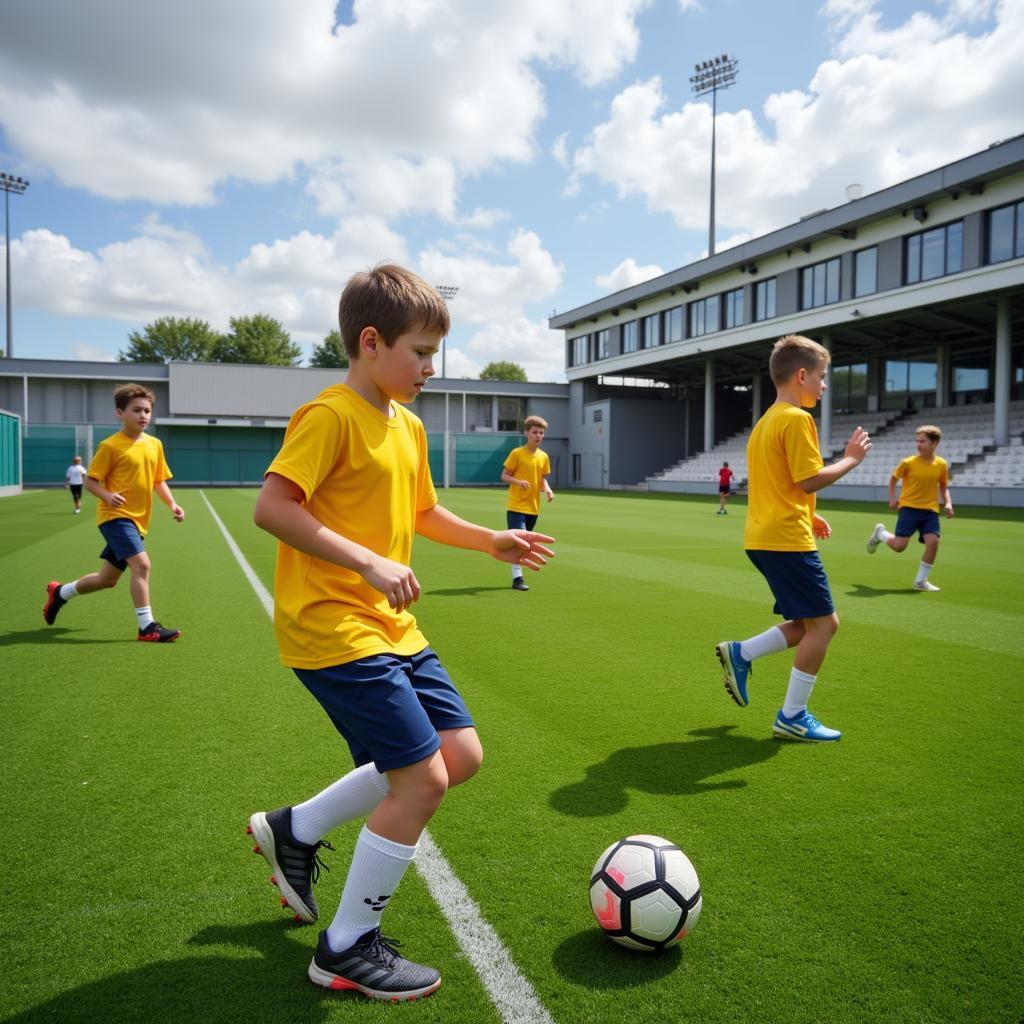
(645, 893)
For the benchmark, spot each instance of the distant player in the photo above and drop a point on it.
(73, 480)
(785, 469)
(725, 475)
(925, 479)
(526, 471)
(127, 468)
(344, 496)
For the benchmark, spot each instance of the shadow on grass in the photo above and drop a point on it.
(53, 634)
(593, 961)
(862, 590)
(665, 769)
(464, 591)
(268, 984)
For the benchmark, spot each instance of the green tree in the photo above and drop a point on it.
(503, 370)
(257, 339)
(331, 353)
(179, 338)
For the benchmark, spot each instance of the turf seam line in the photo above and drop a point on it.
(513, 996)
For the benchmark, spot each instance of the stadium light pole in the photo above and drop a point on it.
(448, 292)
(16, 185)
(712, 75)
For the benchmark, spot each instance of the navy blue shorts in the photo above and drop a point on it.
(917, 520)
(389, 708)
(797, 580)
(123, 540)
(520, 520)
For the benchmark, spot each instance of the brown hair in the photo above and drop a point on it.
(392, 299)
(124, 393)
(931, 432)
(795, 352)
(535, 421)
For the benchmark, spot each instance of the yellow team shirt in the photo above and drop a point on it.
(364, 475)
(526, 465)
(921, 481)
(132, 468)
(782, 451)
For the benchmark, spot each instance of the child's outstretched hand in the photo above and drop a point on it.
(859, 445)
(820, 527)
(523, 547)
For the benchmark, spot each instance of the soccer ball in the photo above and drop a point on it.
(645, 893)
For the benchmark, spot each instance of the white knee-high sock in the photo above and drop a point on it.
(144, 616)
(353, 796)
(517, 572)
(771, 641)
(378, 865)
(798, 693)
(69, 590)
(922, 572)
(885, 536)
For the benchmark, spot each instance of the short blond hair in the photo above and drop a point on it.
(124, 393)
(535, 421)
(795, 352)
(930, 431)
(392, 299)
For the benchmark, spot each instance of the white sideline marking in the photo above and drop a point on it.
(511, 993)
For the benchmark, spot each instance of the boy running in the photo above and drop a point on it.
(344, 496)
(73, 479)
(127, 468)
(725, 475)
(525, 471)
(925, 477)
(785, 470)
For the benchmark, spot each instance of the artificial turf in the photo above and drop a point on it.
(876, 879)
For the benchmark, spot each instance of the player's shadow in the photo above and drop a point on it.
(267, 984)
(665, 769)
(463, 591)
(592, 960)
(52, 634)
(862, 590)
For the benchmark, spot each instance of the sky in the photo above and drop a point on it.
(211, 160)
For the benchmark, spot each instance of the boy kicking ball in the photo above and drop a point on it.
(785, 471)
(925, 478)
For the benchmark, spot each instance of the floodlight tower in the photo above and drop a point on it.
(712, 75)
(448, 292)
(16, 185)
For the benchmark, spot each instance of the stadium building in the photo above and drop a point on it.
(917, 291)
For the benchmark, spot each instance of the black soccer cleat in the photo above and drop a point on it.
(373, 966)
(296, 865)
(54, 603)
(520, 584)
(154, 633)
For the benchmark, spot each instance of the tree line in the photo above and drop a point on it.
(258, 339)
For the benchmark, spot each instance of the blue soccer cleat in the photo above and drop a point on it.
(736, 668)
(804, 727)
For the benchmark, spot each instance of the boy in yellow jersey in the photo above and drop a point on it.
(785, 470)
(525, 471)
(125, 471)
(345, 496)
(925, 478)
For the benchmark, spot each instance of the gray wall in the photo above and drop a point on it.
(645, 437)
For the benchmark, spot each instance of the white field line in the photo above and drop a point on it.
(513, 996)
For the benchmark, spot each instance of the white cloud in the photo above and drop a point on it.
(533, 345)
(627, 273)
(167, 101)
(92, 353)
(560, 149)
(888, 89)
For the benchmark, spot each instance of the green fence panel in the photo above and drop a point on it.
(47, 452)
(479, 458)
(435, 454)
(10, 450)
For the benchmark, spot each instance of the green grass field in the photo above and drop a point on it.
(873, 880)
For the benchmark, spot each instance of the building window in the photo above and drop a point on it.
(764, 299)
(849, 387)
(935, 253)
(972, 378)
(511, 413)
(652, 331)
(578, 350)
(577, 467)
(819, 284)
(601, 342)
(733, 302)
(865, 272)
(909, 384)
(674, 324)
(704, 316)
(629, 338)
(1006, 233)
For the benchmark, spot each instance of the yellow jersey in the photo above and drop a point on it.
(132, 467)
(782, 451)
(365, 475)
(533, 467)
(921, 481)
